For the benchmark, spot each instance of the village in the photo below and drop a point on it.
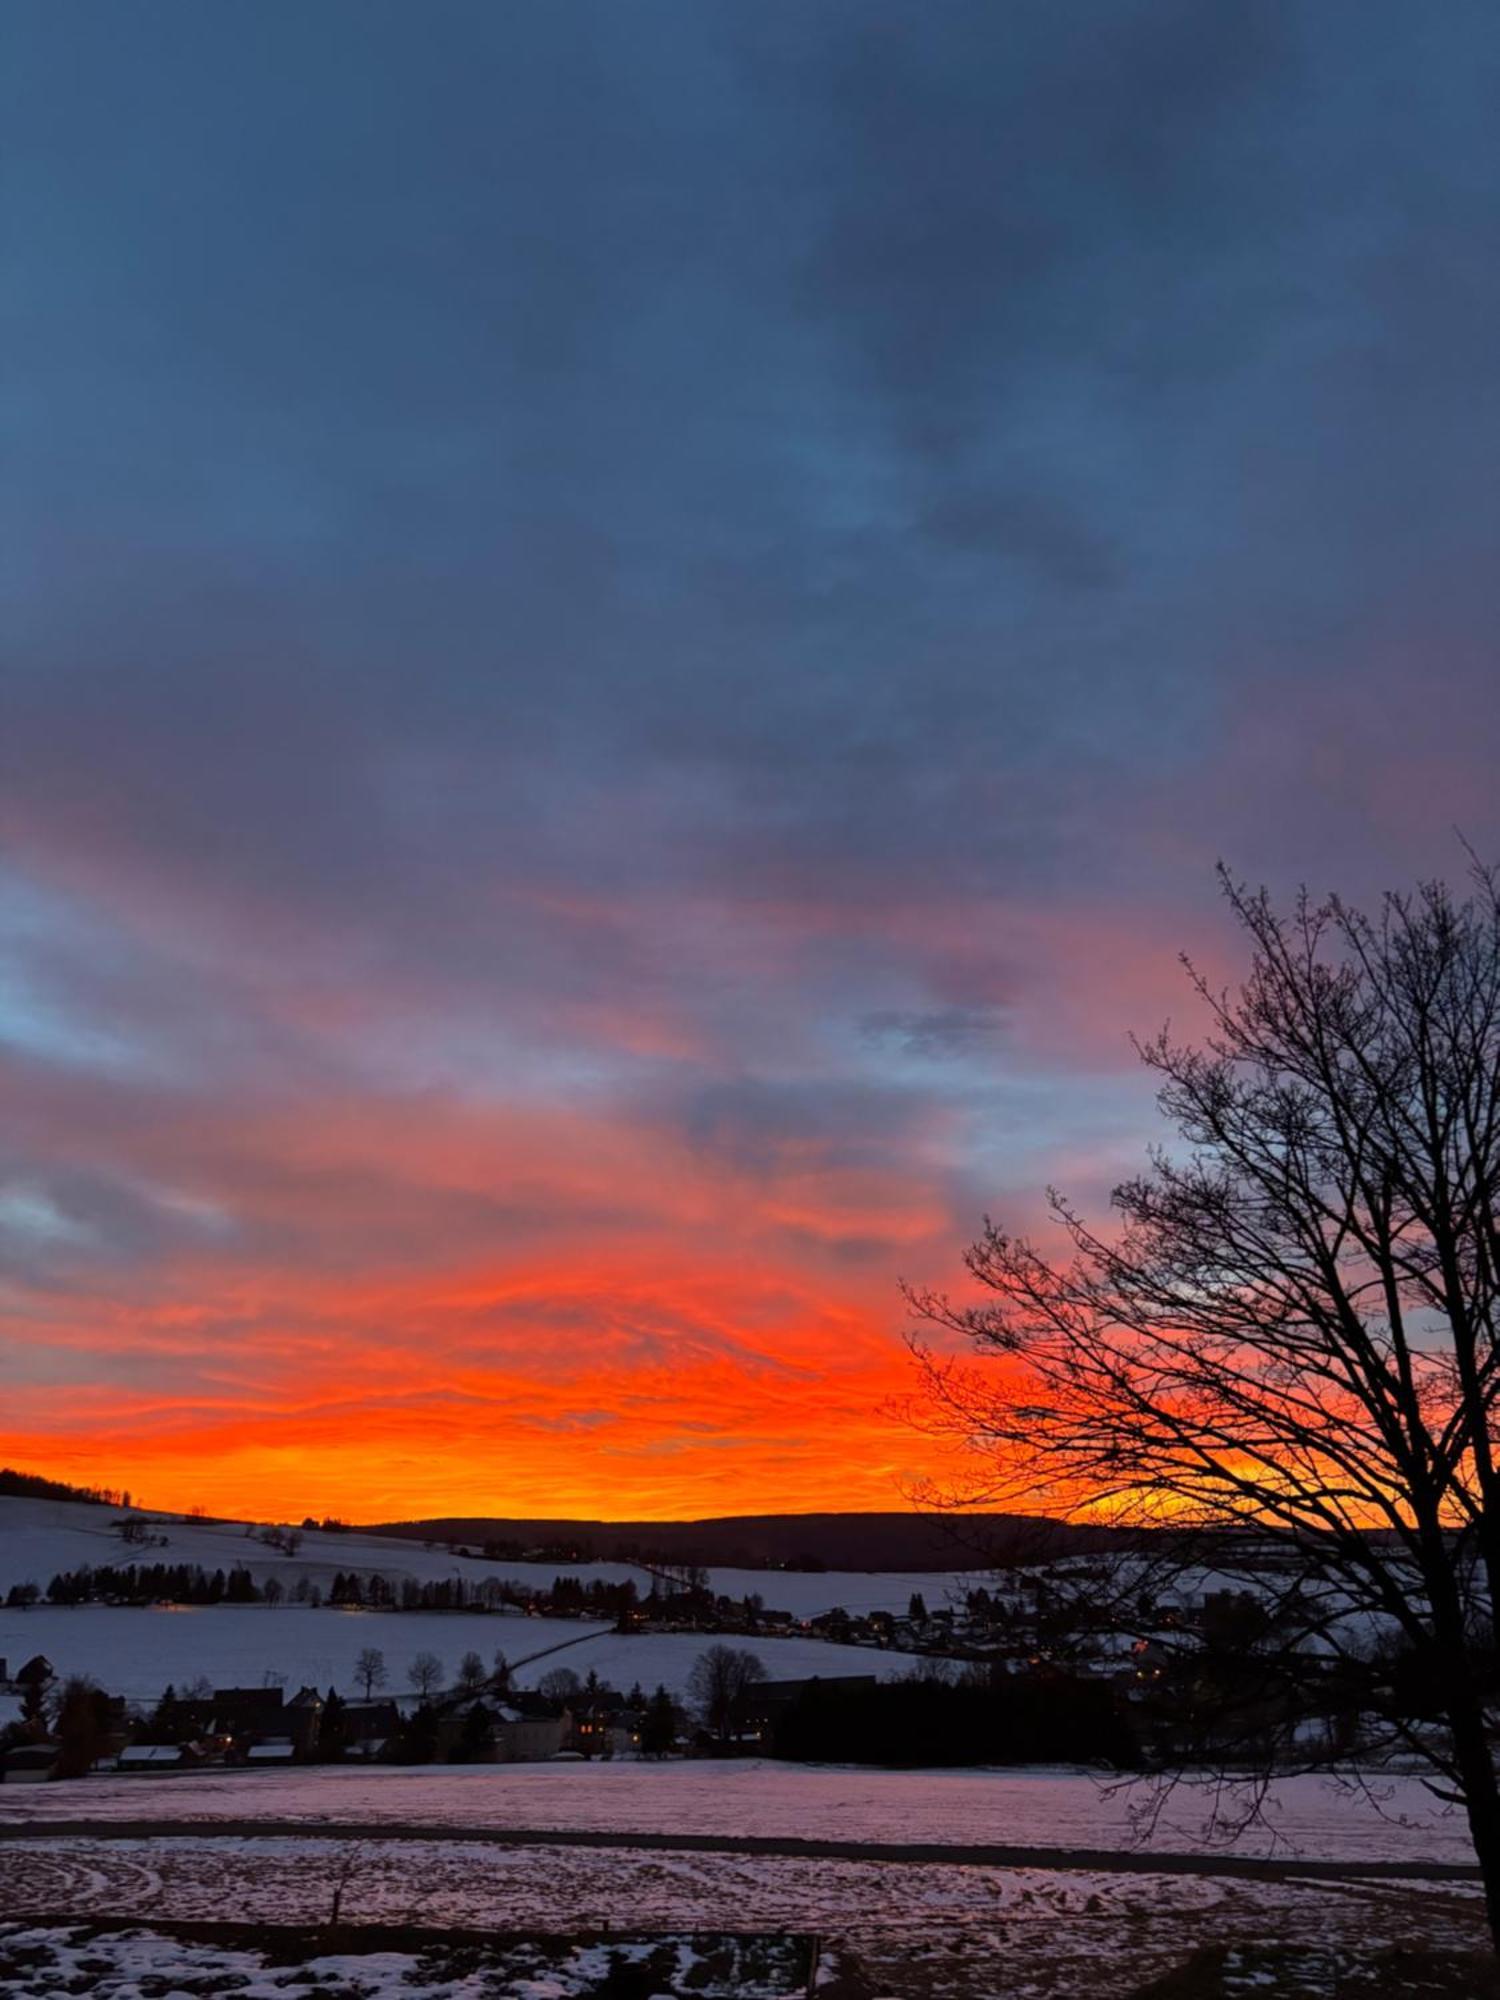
(1058, 1659)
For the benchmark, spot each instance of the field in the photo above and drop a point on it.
(404, 1859)
(40, 1537)
(135, 1652)
(1304, 1818)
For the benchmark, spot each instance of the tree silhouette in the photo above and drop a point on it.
(333, 1728)
(719, 1687)
(659, 1725)
(425, 1674)
(82, 1727)
(560, 1684)
(1287, 1351)
(369, 1669)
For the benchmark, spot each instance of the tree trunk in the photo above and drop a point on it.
(1476, 1767)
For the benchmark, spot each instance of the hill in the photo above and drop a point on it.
(860, 1542)
(16, 1485)
(39, 1538)
(137, 1649)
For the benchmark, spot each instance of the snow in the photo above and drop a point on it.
(1041, 1808)
(137, 1650)
(806, 1594)
(40, 1963)
(450, 1883)
(939, 1929)
(39, 1538)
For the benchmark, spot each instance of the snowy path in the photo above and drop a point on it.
(1156, 1861)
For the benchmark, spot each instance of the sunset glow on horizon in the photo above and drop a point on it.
(633, 639)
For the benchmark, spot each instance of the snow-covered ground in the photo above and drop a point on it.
(136, 1651)
(942, 1931)
(39, 1538)
(42, 1962)
(1314, 1818)
(858, 1592)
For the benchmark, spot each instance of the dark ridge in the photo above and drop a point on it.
(16, 1485)
(771, 1541)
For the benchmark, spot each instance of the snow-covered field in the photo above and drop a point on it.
(137, 1651)
(916, 1929)
(805, 1594)
(1313, 1818)
(38, 1538)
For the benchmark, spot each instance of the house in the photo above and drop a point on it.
(30, 1764)
(117, 1728)
(227, 1726)
(246, 1713)
(369, 1726)
(271, 1750)
(140, 1760)
(37, 1672)
(604, 1727)
(302, 1715)
(519, 1730)
(187, 1721)
(529, 1739)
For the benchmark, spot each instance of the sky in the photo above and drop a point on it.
(631, 634)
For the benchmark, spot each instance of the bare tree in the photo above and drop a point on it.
(425, 1674)
(471, 1673)
(1285, 1356)
(369, 1669)
(560, 1684)
(719, 1687)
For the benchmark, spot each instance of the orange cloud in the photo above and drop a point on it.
(430, 1306)
(615, 1273)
